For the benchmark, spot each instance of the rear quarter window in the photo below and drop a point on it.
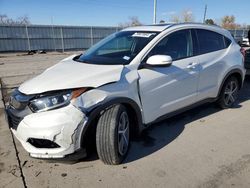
(227, 42)
(210, 41)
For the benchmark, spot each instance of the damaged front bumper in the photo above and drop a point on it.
(51, 134)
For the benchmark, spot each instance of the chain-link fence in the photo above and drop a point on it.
(51, 38)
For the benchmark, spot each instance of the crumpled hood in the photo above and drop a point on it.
(69, 74)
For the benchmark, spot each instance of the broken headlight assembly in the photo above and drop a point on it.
(55, 100)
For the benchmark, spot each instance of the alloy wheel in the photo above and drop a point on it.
(230, 93)
(123, 133)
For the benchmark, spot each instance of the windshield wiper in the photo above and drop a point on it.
(82, 61)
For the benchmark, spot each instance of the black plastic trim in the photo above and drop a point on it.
(42, 143)
(14, 117)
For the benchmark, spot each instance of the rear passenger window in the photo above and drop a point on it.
(210, 41)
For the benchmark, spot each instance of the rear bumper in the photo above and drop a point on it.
(51, 134)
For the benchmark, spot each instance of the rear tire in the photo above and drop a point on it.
(112, 135)
(229, 93)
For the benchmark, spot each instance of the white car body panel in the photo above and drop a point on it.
(166, 89)
(69, 74)
(63, 125)
(126, 88)
(211, 70)
(214, 67)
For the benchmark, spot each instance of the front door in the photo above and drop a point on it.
(167, 89)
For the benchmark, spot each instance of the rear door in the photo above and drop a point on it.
(212, 50)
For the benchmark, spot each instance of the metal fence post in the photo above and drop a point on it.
(91, 35)
(27, 35)
(53, 33)
(62, 40)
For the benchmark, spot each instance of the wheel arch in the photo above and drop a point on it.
(134, 112)
(235, 72)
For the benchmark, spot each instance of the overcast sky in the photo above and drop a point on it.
(113, 12)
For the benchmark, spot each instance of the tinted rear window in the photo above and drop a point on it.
(209, 41)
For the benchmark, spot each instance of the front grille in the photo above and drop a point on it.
(18, 105)
(13, 120)
(19, 101)
(17, 108)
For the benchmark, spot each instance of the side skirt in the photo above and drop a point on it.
(171, 114)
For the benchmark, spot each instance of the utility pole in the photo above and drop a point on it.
(205, 14)
(155, 4)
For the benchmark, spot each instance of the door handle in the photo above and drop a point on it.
(192, 65)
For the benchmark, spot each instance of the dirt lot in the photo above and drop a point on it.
(204, 147)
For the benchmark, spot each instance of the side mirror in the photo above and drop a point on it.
(159, 60)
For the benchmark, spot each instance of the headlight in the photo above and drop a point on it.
(54, 101)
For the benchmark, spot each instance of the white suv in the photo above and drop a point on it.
(121, 85)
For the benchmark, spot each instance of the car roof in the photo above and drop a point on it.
(159, 27)
(162, 27)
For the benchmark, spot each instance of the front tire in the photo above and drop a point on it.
(229, 93)
(112, 135)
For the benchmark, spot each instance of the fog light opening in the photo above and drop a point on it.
(42, 143)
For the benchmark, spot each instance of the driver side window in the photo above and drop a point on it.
(178, 45)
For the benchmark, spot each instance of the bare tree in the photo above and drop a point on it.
(133, 21)
(23, 20)
(175, 18)
(187, 16)
(5, 20)
(228, 22)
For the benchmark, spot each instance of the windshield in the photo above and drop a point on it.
(117, 49)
